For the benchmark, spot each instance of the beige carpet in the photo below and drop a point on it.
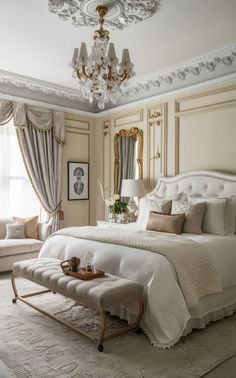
(34, 346)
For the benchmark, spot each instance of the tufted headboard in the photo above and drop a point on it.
(208, 183)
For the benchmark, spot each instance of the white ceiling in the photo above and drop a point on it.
(37, 44)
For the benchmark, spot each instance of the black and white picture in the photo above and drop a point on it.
(78, 180)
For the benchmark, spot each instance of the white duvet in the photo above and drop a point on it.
(166, 312)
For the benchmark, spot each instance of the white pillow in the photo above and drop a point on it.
(146, 205)
(229, 212)
(218, 217)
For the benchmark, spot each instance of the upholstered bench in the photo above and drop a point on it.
(100, 294)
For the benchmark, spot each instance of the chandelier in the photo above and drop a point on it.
(100, 75)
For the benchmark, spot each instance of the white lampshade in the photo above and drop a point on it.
(132, 188)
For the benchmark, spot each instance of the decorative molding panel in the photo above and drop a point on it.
(128, 119)
(205, 64)
(206, 67)
(210, 123)
(121, 13)
(157, 143)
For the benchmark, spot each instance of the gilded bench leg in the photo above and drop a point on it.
(103, 329)
(14, 288)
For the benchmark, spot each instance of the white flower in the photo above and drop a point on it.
(116, 197)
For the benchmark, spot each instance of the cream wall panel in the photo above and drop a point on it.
(77, 148)
(217, 96)
(207, 141)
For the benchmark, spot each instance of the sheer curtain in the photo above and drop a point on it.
(16, 194)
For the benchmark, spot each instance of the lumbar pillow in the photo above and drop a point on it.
(15, 231)
(159, 206)
(193, 215)
(165, 223)
(216, 218)
(30, 224)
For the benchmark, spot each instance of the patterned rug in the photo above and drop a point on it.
(34, 346)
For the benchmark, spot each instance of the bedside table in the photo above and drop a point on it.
(111, 224)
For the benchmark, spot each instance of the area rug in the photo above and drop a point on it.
(34, 346)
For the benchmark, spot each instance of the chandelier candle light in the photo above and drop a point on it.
(100, 74)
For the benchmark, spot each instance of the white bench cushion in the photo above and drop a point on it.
(105, 292)
(10, 247)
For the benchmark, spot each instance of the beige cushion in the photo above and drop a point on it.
(193, 215)
(105, 292)
(15, 231)
(31, 226)
(9, 247)
(159, 206)
(165, 223)
(215, 220)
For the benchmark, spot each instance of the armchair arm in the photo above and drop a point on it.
(44, 230)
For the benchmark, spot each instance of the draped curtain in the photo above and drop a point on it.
(127, 159)
(41, 135)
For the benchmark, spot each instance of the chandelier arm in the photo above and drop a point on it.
(123, 77)
(84, 73)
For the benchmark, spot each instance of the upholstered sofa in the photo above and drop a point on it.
(12, 250)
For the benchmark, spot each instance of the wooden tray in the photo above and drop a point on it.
(82, 273)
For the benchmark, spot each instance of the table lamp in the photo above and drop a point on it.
(132, 188)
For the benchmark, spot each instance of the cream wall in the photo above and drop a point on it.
(77, 148)
(196, 130)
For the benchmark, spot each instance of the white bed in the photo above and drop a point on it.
(167, 316)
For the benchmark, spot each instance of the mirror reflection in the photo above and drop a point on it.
(128, 149)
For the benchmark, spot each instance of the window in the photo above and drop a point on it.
(17, 196)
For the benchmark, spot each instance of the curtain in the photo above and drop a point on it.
(127, 159)
(41, 135)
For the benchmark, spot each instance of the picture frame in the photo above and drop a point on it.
(78, 180)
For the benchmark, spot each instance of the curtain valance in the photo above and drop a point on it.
(42, 119)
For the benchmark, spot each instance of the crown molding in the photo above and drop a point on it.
(200, 69)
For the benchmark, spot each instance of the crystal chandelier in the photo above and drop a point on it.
(100, 74)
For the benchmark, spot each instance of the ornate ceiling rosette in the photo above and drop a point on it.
(121, 13)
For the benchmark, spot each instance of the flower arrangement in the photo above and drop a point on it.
(114, 203)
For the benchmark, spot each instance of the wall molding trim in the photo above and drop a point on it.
(203, 68)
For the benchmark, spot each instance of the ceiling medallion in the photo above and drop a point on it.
(100, 74)
(121, 13)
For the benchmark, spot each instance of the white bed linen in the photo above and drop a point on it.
(166, 314)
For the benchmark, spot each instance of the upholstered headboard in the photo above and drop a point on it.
(208, 183)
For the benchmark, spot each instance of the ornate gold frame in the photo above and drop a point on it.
(130, 132)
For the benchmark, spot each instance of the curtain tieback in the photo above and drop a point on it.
(55, 211)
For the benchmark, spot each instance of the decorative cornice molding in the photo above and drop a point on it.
(35, 85)
(207, 63)
(208, 66)
(121, 13)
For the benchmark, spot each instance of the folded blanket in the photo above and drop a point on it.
(195, 270)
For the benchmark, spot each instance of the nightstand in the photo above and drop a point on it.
(111, 224)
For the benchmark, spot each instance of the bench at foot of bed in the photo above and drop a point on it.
(100, 294)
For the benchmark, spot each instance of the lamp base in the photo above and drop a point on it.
(132, 207)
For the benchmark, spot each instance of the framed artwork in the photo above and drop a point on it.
(78, 180)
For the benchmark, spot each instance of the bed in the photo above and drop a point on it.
(149, 258)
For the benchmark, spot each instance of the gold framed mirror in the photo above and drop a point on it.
(128, 152)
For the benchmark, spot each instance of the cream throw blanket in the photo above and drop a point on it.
(195, 269)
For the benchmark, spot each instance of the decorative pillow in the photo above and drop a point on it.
(160, 206)
(31, 226)
(146, 205)
(165, 223)
(15, 231)
(193, 215)
(218, 218)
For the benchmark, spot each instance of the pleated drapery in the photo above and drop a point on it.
(41, 135)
